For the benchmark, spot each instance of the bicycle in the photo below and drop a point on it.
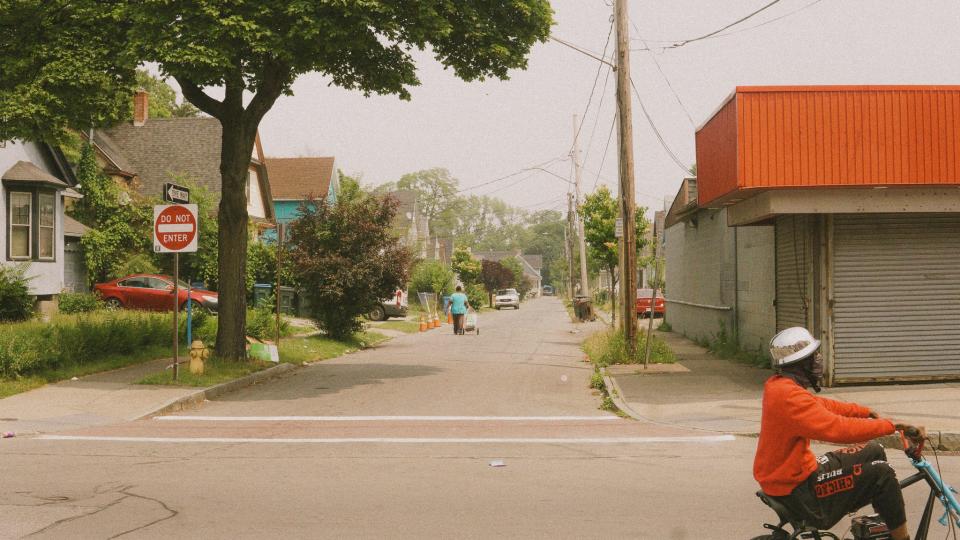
(871, 527)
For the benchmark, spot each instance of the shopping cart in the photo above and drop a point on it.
(470, 322)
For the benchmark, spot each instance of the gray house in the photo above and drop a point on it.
(35, 181)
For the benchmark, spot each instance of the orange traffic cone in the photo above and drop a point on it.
(449, 317)
(423, 323)
(436, 321)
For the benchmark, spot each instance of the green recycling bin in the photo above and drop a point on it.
(263, 293)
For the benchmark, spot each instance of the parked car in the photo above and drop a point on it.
(548, 290)
(507, 298)
(393, 307)
(643, 304)
(152, 292)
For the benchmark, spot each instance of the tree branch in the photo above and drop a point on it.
(199, 98)
(271, 86)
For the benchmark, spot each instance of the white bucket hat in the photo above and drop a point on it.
(792, 345)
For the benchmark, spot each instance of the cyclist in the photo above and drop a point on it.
(820, 490)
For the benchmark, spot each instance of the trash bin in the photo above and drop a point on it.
(263, 292)
(583, 308)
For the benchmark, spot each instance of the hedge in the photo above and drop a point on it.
(35, 346)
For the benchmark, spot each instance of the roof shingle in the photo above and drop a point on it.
(298, 178)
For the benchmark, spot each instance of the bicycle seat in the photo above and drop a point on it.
(782, 512)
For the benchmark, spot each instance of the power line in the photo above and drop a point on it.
(775, 19)
(656, 131)
(581, 50)
(677, 43)
(593, 89)
(653, 57)
(596, 121)
(613, 124)
(511, 175)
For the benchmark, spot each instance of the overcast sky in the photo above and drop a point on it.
(484, 131)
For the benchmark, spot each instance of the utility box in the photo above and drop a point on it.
(263, 293)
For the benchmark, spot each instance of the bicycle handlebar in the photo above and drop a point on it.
(913, 441)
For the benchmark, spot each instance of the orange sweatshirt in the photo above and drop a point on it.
(790, 418)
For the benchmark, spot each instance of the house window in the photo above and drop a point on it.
(32, 225)
(21, 224)
(47, 225)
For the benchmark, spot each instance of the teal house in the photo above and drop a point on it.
(294, 181)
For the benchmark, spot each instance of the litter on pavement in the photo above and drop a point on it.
(498, 463)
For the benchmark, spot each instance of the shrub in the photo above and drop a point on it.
(79, 303)
(610, 347)
(432, 277)
(138, 263)
(16, 303)
(477, 295)
(262, 322)
(33, 347)
(347, 259)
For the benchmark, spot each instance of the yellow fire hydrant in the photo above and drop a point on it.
(198, 353)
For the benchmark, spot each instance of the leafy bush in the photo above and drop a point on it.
(477, 295)
(262, 321)
(610, 347)
(431, 276)
(79, 302)
(347, 259)
(16, 303)
(138, 263)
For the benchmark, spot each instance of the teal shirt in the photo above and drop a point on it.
(458, 303)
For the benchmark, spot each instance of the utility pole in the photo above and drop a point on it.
(628, 270)
(569, 243)
(584, 284)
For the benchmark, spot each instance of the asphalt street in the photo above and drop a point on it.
(495, 435)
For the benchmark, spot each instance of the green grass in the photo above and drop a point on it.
(609, 347)
(214, 372)
(313, 348)
(400, 326)
(295, 350)
(11, 386)
(727, 346)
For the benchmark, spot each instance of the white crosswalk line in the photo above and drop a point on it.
(397, 440)
(387, 418)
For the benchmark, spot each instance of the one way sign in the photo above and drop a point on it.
(176, 194)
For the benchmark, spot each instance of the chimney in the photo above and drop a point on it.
(141, 102)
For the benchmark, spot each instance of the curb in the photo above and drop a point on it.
(195, 399)
(942, 441)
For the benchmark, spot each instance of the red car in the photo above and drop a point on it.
(152, 292)
(643, 304)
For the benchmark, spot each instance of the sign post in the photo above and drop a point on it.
(175, 231)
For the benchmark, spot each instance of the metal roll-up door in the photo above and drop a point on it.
(793, 256)
(896, 297)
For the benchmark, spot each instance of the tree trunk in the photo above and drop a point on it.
(237, 147)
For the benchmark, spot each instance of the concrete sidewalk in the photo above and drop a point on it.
(98, 399)
(708, 393)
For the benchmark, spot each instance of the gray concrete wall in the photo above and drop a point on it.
(700, 270)
(712, 264)
(756, 279)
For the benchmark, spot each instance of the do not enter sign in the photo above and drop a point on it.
(175, 228)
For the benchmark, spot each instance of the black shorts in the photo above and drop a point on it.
(846, 480)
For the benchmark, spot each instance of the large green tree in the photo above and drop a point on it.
(544, 237)
(253, 51)
(437, 196)
(599, 212)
